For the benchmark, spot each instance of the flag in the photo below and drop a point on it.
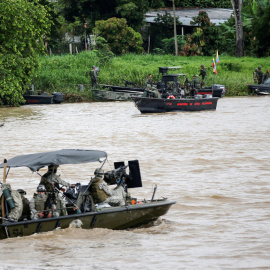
(214, 67)
(217, 58)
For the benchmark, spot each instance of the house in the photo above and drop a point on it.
(216, 16)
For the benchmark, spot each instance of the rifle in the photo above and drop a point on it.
(127, 82)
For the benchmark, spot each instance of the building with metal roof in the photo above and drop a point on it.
(216, 16)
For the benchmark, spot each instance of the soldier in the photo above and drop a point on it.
(26, 213)
(255, 76)
(260, 75)
(149, 81)
(37, 204)
(196, 83)
(94, 77)
(154, 93)
(266, 75)
(15, 203)
(51, 180)
(102, 193)
(203, 72)
(46, 205)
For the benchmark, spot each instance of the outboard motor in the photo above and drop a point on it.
(58, 97)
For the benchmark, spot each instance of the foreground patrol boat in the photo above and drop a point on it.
(134, 213)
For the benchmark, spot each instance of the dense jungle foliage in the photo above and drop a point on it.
(31, 27)
(66, 73)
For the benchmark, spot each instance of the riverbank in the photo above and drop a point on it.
(69, 74)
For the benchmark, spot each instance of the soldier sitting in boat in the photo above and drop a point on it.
(13, 207)
(46, 205)
(151, 92)
(102, 193)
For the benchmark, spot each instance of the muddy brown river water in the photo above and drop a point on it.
(215, 164)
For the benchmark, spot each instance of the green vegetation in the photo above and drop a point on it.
(22, 28)
(65, 73)
(122, 39)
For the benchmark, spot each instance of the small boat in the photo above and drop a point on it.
(134, 213)
(260, 89)
(37, 97)
(161, 105)
(216, 90)
(113, 95)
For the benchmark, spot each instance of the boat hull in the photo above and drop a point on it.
(160, 105)
(38, 99)
(108, 95)
(56, 98)
(262, 89)
(214, 92)
(115, 218)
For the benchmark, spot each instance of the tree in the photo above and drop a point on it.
(121, 38)
(22, 28)
(237, 8)
(133, 12)
(261, 30)
(92, 10)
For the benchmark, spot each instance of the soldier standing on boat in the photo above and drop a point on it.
(14, 203)
(103, 194)
(196, 83)
(52, 183)
(50, 179)
(255, 76)
(203, 72)
(149, 81)
(260, 75)
(266, 75)
(94, 77)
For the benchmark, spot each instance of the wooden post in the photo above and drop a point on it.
(70, 48)
(175, 33)
(148, 44)
(4, 181)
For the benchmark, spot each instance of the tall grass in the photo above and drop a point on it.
(64, 73)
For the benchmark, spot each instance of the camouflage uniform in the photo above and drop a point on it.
(203, 72)
(101, 192)
(149, 81)
(260, 75)
(94, 77)
(196, 83)
(50, 178)
(37, 204)
(42, 202)
(16, 212)
(266, 75)
(255, 76)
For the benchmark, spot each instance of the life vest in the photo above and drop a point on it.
(98, 194)
(40, 202)
(171, 97)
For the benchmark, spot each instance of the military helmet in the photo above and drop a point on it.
(93, 66)
(202, 66)
(99, 171)
(41, 188)
(52, 166)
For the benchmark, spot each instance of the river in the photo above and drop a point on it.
(215, 164)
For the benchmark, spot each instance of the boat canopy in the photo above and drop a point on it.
(65, 156)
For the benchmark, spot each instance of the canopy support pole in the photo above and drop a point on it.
(3, 198)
